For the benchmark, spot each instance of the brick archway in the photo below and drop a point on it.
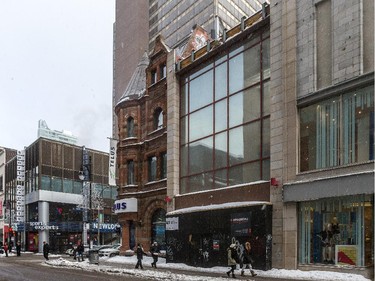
(148, 213)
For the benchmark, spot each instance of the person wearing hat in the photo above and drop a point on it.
(232, 252)
(155, 253)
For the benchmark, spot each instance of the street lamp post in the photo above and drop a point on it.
(85, 176)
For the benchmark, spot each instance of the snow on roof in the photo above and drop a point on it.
(218, 207)
(136, 87)
(328, 177)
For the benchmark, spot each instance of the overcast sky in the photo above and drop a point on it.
(56, 65)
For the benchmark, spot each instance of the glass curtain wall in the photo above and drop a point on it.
(225, 119)
(337, 231)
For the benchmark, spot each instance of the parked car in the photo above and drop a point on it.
(95, 247)
(70, 252)
(110, 252)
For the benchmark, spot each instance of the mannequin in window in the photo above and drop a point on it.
(335, 230)
(326, 236)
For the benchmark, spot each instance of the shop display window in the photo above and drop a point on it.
(337, 231)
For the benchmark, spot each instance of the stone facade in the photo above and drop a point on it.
(297, 29)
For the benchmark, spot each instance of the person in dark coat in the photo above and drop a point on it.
(45, 250)
(10, 246)
(232, 251)
(18, 248)
(5, 247)
(155, 251)
(80, 250)
(140, 252)
(247, 260)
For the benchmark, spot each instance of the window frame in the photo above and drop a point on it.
(205, 179)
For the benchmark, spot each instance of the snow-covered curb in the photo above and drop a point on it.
(169, 275)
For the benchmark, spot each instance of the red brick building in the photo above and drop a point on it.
(142, 151)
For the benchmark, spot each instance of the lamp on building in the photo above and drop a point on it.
(85, 176)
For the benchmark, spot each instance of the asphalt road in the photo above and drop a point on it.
(31, 268)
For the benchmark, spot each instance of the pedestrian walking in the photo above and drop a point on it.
(10, 246)
(5, 247)
(155, 251)
(80, 250)
(247, 260)
(140, 252)
(232, 256)
(18, 248)
(45, 250)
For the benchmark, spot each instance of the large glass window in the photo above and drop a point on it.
(338, 131)
(67, 186)
(337, 231)
(46, 183)
(224, 121)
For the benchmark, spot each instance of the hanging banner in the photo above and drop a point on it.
(20, 189)
(112, 162)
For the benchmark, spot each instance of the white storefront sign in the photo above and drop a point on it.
(128, 205)
(171, 223)
(43, 226)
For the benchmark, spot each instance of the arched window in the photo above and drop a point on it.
(158, 227)
(130, 127)
(158, 118)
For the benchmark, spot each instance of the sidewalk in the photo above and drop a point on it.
(181, 272)
(220, 272)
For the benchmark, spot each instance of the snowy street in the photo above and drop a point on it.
(124, 266)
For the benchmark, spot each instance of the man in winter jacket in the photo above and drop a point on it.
(155, 253)
(139, 251)
(80, 251)
(45, 250)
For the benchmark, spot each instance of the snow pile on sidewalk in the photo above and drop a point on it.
(168, 275)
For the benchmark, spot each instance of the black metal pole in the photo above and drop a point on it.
(90, 216)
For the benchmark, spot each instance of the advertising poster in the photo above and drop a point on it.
(346, 254)
(240, 224)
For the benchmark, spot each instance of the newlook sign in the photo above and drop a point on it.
(20, 191)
